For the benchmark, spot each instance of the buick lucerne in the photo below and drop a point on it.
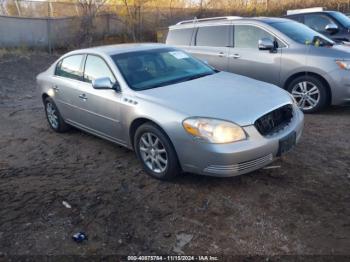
(177, 113)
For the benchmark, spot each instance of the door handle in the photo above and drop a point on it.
(221, 54)
(83, 96)
(235, 56)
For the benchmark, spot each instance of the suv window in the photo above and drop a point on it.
(179, 36)
(317, 22)
(96, 67)
(213, 36)
(70, 67)
(298, 18)
(248, 36)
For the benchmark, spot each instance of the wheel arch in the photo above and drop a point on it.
(136, 123)
(321, 78)
(44, 96)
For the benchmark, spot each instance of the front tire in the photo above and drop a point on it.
(156, 153)
(310, 92)
(54, 117)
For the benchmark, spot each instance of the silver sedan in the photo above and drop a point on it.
(176, 112)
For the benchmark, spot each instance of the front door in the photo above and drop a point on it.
(68, 78)
(246, 59)
(100, 109)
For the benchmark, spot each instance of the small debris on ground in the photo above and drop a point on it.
(79, 237)
(167, 234)
(66, 204)
(181, 241)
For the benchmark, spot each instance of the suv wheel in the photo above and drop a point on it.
(310, 93)
(156, 153)
(54, 117)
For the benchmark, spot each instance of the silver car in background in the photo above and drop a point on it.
(275, 50)
(176, 112)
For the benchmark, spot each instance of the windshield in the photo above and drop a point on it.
(301, 33)
(159, 67)
(341, 18)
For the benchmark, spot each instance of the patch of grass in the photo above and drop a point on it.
(23, 52)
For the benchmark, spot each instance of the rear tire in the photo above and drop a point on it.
(310, 92)
(156, 153)
(54, 117)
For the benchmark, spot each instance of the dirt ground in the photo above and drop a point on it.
(303, 207)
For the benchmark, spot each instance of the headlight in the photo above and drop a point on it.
(214, 130)
(343, 64)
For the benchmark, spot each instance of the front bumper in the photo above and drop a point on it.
(240, 157)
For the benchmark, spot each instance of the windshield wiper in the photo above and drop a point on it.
(198, 76)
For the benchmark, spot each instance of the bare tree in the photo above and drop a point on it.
(132, 16)
(90, 9)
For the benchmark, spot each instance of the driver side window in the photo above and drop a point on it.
(318, 22)
(96, 67)
(248, 36)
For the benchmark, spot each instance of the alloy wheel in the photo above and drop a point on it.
(52, 115)
(306, 94)
(153, 152)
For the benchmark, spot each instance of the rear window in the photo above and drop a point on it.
(179, 36)
(213, 36)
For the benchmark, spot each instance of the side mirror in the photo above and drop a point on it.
(105, 83)
(266, 44)
(331, 28)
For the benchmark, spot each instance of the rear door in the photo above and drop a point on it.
(212, 45)
(100, 109)
(246, 59)
(68, 78)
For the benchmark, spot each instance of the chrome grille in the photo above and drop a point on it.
(275, 120)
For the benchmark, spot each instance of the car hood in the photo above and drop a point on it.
(222, 95)
(335, 51)
(341, 47)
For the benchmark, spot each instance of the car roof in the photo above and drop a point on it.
(316, 12)
(213, 21)
(119, 48)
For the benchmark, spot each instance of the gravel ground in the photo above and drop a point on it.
(303, 207)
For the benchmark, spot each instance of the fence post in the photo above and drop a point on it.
(48, 26)
(140, 23)
(18, 9)
(108, 24)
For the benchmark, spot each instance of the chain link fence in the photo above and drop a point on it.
(55, 25)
